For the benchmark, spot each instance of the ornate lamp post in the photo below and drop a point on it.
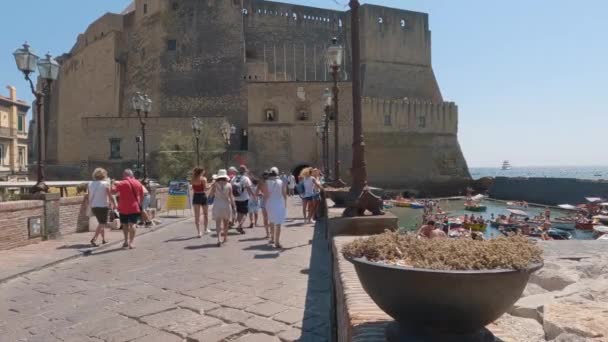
(138, 142)
(361, 198)
(142, 103)
(334, 58)
(324, 125)
(27, 62)
(227, 131)
(196, 131)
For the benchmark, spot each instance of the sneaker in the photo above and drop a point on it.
(207, 231)
(148, 224)
(93, 243)
(240, 230)
(125, 245)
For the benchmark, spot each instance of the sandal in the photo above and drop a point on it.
(278, 246)
(125, 245)
(219, 244)
(104, 242)
(93, 243)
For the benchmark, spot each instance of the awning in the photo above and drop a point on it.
(593, 199)
(567, 206)
(518, 212)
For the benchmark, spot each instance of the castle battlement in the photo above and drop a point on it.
(410, 115)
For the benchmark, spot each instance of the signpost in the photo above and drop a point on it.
(179, 195)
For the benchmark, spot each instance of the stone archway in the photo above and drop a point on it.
(296, 171)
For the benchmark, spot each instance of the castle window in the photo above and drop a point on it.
(270, 115)
(2, 154)
(171, 45)
(249, 53)
(115, 148)
(245, 11)
(295, 16)
(303, 115)
(380, 20)
(145, 8)
(339, 22)
(174, 6)
(403, 23)
(422, 122)
(387, 120)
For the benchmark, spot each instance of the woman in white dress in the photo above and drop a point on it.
(223, 204)
(275, 198)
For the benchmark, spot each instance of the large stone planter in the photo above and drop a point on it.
(430, 305)
(338, 196)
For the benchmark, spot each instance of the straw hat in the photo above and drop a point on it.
(274, 170)
(221, 174)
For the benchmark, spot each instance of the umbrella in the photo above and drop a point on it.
(567, 206)
(518, 212)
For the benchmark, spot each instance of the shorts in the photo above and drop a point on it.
(199, 198)
(146, 202)
(316, 197)
(242, 207)
(101, 214)
(254, 206)
(129, 218)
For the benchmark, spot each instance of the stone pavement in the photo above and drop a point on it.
(174, 287)
(22, 260)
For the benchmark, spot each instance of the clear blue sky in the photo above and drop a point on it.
(530, 77)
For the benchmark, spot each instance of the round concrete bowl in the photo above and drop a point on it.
(431, 302)
(338, 196)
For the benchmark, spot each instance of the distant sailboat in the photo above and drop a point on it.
(506, 165)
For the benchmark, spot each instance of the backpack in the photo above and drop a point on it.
(300, 188)
(237, 186)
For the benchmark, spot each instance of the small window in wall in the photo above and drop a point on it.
(303, 115)
(422, 122)
(1, 154)
(174, 6)
(403, 23)
(171, 45)
(145, 8)
(380, 20)
(115, 148)
(21, 156)
(387, 120)
(270, 115)
(21, 123)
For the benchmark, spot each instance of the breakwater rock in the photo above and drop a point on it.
(567, 300)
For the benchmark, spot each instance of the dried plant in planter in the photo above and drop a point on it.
(407, 250)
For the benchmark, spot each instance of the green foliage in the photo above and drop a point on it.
(176, 156)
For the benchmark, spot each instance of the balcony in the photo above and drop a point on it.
(7, 132)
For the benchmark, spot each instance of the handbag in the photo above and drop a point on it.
(210, 200)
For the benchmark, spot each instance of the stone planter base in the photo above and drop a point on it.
(397, 333)
(364, 225)
(339, 197)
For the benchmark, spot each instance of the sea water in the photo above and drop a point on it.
(411, 219)
(580, 172)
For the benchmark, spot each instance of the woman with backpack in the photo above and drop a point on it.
(310, 197)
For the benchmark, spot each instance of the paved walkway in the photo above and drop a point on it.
(22, 260)
(174, 287)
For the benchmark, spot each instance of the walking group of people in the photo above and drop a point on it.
(128, 199)
(234, 194)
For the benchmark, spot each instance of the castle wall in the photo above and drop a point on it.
(290, 39)
(396, 59)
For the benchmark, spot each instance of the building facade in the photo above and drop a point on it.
(241, 59)
(13, 137)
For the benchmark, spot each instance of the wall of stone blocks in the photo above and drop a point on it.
(73, 215)
(14, 222)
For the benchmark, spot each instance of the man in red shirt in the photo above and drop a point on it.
(130, 195)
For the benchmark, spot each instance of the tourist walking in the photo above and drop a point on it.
(199, 200)
(130, 194)
(261, 186)
(254, 203)
(100, 202)
(223, 203)
(241, 190)
(145, 205)
(291, 184)
(275, 195)
(311, 187)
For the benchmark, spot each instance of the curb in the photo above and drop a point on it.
(80, 253)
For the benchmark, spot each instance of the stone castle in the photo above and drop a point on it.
(261, 66)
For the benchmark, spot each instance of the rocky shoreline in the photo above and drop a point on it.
(567, 300)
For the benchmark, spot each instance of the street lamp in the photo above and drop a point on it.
(361, 198)
(48, 68)
(227, 130)
(196, 131)
(142, 103)
(327, 105)
(138, 142)
(334, 57)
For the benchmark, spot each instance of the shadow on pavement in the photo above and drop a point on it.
(205, 246)
(253, 239)
(118, 249)
(318, 309)
(262, 247)
(76, 246)
(267, 256)
(182, 239)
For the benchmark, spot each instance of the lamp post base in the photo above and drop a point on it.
(40, 187)
(337, 184)
(364, 201)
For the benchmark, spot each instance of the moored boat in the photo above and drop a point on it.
(603, 237)
(600, 230)
(475, 207)
(416, 205)
(563, 223)
(506, 165)
(497, 224)
(402, 204)
(476, 227)
(584, 226)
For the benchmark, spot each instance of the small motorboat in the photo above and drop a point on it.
(555, 234)
(563, 223)
(416, 205)
(475, 207)
(603, 238)
(497, 224)
(517, 205)
(584, 226)
(402, 203)
(600, 230)
(476, 227)
(506, 165)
